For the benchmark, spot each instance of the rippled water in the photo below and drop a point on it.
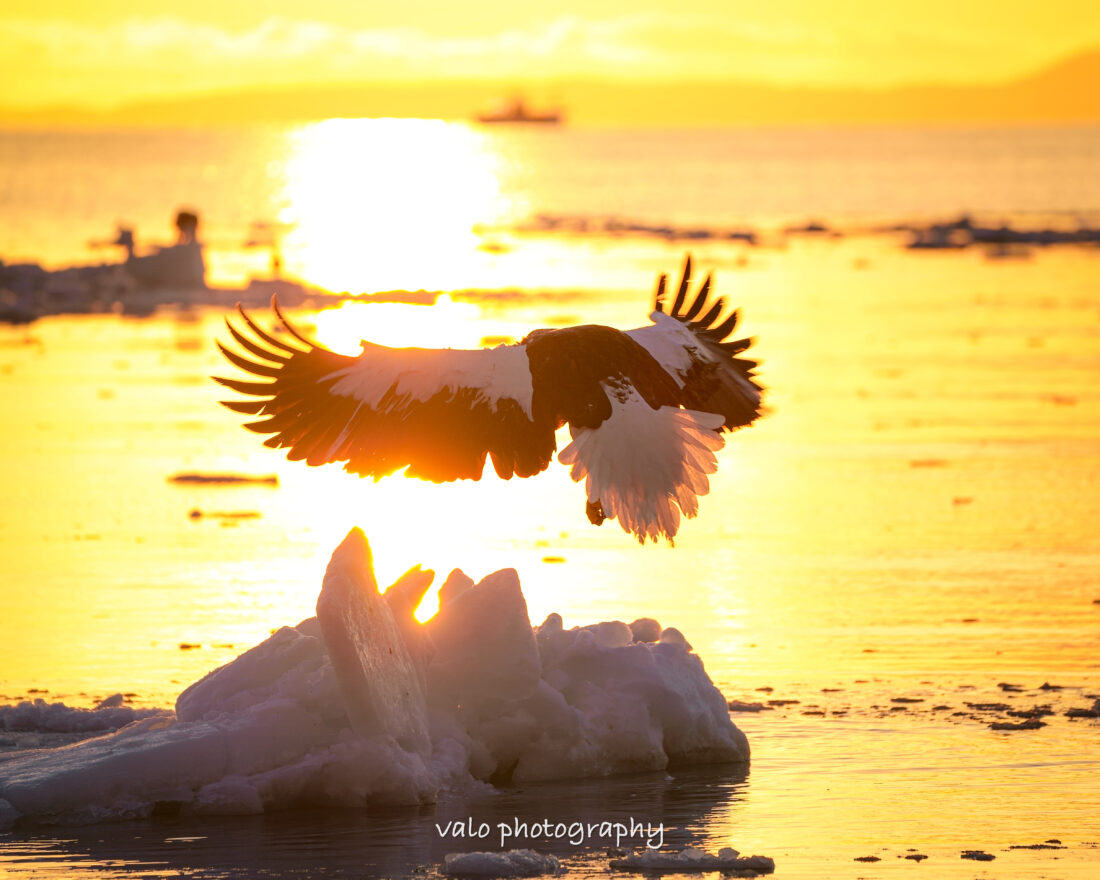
(915, 519)
(364, 205)
(820, 793)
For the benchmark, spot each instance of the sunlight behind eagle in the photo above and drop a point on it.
(444, 324)
(388, 204)
(392, 505)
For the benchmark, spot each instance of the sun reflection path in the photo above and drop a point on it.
(462, 524)
(389, 204)
(445, 324)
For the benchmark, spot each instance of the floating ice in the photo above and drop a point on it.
(39, 715)
(364, 705)
(511, 863)
(692, 859)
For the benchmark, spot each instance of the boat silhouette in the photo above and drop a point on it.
(517, 112)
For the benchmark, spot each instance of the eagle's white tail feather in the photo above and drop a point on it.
(645, 468)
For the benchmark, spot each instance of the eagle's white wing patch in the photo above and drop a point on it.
(645, 466)
(418, 374)
(671, 343)
(677, 349)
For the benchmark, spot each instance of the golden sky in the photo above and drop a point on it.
(110, 52)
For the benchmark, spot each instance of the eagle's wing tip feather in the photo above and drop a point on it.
(712, 325)
(247, 365)
(290, 328)
(681, 293)
(245, 407)
(257, 389)
(659, 299)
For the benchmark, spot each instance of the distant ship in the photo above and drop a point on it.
(517, 112)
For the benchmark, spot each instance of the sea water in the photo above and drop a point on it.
(912, 524)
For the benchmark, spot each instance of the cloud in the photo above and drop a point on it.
(115, 62)
(56, 60)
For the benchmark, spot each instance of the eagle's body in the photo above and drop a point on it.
(645, 408)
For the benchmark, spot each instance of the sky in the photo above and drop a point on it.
(113, 52)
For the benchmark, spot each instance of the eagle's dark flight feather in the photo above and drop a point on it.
(442, 413)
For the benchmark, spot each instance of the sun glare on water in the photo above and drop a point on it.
(392, 204)
(407, 520)
(444, 324)
(388, 204)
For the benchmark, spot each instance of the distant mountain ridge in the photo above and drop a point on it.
(1068, 91)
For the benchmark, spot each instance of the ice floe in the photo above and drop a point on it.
(511, 863)
(38, 715)
(692, 859)
(364, 705)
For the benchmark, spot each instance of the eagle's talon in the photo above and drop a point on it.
(595, 513)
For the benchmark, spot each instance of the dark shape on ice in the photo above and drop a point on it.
(1048, 845)
(195, 513)
(187, 225)
(1033, 712)
(200, 479)
(1032, 724)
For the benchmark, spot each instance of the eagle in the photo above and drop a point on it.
(646, 408)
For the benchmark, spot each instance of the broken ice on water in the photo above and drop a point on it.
(365, 705)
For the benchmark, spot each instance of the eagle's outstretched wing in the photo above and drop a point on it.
(439, 412)
(691, 342)
(645, 408)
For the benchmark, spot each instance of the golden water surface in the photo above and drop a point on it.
(917, 517)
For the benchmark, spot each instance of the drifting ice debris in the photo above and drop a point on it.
(1030, 724)
(692, 859)
(741, 706)
(41, 716)
(364, 705)
(512, 863)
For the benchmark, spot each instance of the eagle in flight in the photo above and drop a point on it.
(646, 408)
